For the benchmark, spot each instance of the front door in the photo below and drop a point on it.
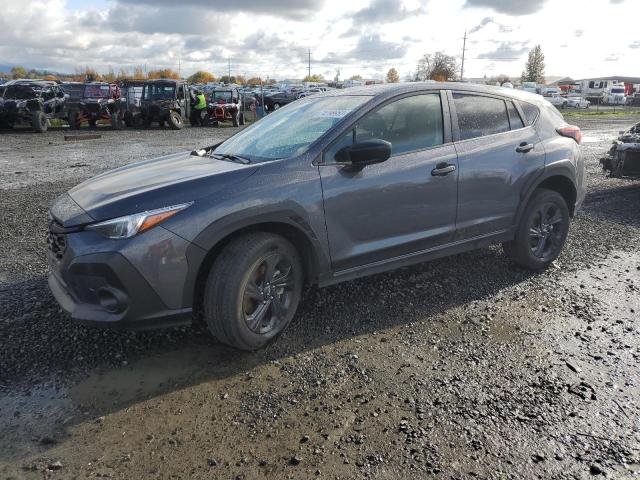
(402, 206)
(498, 156)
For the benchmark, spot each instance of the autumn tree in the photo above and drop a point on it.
(356, 77)
(255, 81)
(316, 78)
(110, 76)
(534, 68)
(163, 73)
(228, 79)
(18, 72)
(392, 76)
(202, 77)
(138, 73)
(122, 74)
(437, 66)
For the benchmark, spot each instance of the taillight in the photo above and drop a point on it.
(570, 131)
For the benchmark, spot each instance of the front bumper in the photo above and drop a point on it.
(133, 284)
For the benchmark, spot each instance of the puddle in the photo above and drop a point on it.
(598, 138)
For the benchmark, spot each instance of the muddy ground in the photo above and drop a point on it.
(465, 367)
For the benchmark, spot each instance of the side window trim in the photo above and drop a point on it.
(446, 114)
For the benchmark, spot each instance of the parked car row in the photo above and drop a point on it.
(134, 103)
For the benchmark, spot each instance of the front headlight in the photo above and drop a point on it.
(130, 225)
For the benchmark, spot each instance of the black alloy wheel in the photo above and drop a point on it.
(268, 293)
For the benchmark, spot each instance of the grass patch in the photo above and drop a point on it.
(621, 113)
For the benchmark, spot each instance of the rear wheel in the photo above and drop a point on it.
(39, 122)
(276, 106)
(116, 122)
(74, 120)
(542, 231)
(128, 119)
(235, 118)
(175, 121)
(253, 290)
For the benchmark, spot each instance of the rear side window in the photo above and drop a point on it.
(531, 112)
(409, 124)
(480, 116)
(514, 117)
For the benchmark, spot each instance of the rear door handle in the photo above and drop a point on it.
(443, 169)
(525, 147)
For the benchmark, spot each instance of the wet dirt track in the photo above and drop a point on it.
(465, 367)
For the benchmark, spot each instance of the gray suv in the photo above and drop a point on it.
(327, 189)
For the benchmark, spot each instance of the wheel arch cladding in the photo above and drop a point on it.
(298, 238)
(565, 187)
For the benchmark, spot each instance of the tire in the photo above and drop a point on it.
(93, 123)
(116, 122)
(128, 119)
(39, 122)
(74, 121)
(235, 118)
(175, 121)
(241, 120)
(541, 232)
(247, 318)
(276, 106)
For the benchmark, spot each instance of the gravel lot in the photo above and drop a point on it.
(465, 367)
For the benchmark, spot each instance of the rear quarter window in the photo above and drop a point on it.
(531, 112)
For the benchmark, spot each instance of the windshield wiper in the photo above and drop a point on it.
(232, 157)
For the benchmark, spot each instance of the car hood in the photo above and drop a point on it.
(151, 184)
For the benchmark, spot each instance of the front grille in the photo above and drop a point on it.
(57, 244)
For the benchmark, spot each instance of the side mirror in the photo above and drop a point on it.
(361, 154)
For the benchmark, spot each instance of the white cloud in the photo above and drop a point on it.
(272, 37)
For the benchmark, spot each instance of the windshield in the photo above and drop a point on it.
(96, 91)
(291, 129)
(617, 90)
(20, 92)
(220, 95)
(158, 91)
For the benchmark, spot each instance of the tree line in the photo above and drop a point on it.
(437, 66)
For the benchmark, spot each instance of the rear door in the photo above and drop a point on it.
(498, 154)
(404, 205)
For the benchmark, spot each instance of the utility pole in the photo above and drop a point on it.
(464, 49)
(178, 65)
(229, 78)
(309, 64)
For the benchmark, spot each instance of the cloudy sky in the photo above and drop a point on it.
(272, 37)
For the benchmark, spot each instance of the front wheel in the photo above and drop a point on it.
(253, 290)
(175, 121)
(541, 232)
(39, 122)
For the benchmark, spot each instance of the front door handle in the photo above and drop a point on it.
(525, 147)
(443, 169)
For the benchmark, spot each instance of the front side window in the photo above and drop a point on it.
(480, 116)
(409, 124)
